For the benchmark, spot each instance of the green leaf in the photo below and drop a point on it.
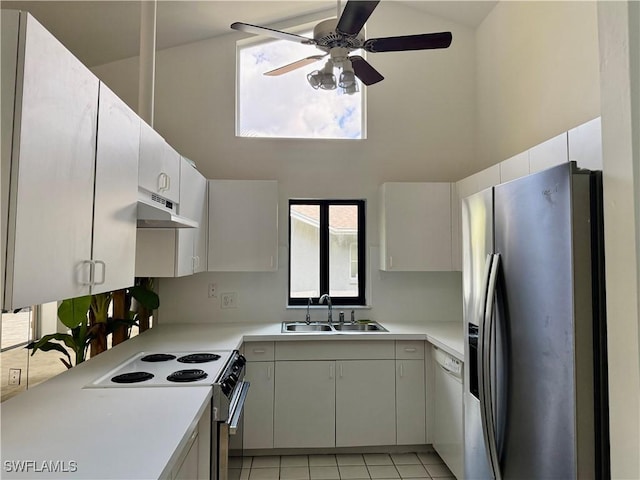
(66, 364)
(147, 298)
(68, 340)
(73, 311)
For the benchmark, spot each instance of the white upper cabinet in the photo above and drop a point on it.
(415, 226)
(176, 252)
(191, 255)
(52, 171)
(585, 145)
(159, 171)
(548, 154)
(116, 188)
(62, 241)
(243, 225)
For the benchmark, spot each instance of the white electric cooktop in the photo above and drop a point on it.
(165, 369)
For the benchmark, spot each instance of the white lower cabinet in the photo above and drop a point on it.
(305, 413)
(365, 403)
(187, 468)
(194, 461)
(410, 402)
(258, 408)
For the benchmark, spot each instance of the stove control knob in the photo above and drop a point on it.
(226, 387)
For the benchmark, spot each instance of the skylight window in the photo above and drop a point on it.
(286, 106)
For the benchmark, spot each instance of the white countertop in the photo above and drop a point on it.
(136, 433)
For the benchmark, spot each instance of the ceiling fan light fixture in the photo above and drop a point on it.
(351, 89)
(315, 79)
(347, 79)
(328, 81)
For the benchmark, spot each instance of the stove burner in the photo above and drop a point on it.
(191, 375)
(199, 358)
(157, 357)
(132, 377)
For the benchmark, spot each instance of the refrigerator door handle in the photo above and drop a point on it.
(488, 350)
(482, 346)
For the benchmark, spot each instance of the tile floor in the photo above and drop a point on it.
(375, 466)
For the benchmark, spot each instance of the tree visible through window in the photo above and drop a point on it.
(286, 106)
(326, 251)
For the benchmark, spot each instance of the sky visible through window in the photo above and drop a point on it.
(287, 106)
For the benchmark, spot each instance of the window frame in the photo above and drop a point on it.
(305, 29)
(324, 204)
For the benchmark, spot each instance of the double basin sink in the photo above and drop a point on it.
(324, 327)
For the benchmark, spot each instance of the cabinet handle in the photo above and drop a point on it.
(330, 371)
(390, 261)
(341, 372)
(271, 261)
(401, 370)
(92, 267)
(258, 350)
(197, 261)
(409, 349)
(164, 182)
(269, 372)
(104, 272)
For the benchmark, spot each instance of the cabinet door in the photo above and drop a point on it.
(548, 154)
(191, 253)
(159, 169)
(52, 172)
(365, 403)
(415, 227)
(116, 193)
(410, 402)
(447, 427)
(187, 468)
(304, 413)
(243, 225)
(258, 408)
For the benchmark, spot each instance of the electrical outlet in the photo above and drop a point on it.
(14, 376)
(213, 290)
(229, 300)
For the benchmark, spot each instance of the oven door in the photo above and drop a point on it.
(230, 431)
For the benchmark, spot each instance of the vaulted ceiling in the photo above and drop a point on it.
(99, 32)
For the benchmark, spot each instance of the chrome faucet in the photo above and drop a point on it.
(328, 299)
(308, 317)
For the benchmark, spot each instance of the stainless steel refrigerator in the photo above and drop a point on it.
(535, 384)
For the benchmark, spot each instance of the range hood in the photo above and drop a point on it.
(156, 212)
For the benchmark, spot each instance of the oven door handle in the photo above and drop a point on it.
(237, 405)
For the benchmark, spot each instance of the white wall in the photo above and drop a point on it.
(619, 28)
(421, 128)
(537, 65)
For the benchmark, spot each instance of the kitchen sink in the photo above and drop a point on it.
(323, 327)
(304, 327)
(359, 327)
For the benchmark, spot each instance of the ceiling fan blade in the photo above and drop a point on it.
(422, 41)
(294, 65)
(364, 71)
(355, 15)
(270, 32)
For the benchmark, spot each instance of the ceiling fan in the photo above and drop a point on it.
(337, 38)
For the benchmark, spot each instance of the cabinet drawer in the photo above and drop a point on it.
(409, 349)
(335, 350)
(259, 351)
